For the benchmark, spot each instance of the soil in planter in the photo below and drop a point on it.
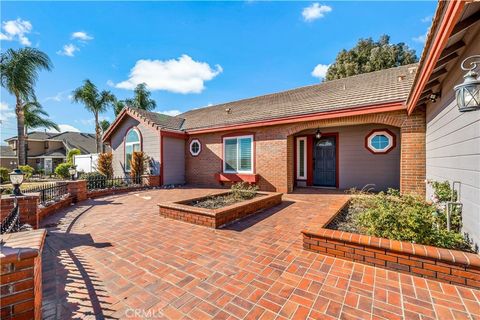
(344, 221)
(216, 202)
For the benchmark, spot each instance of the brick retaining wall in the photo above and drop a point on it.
(21, 275)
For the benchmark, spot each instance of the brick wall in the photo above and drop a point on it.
(274, 151)
(21, 275)
(28, 204)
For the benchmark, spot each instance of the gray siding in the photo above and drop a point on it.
(453, 146)
(173, 161)
(150, 145)
(359, 167)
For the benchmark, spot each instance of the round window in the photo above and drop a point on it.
(195, 147)
(380, 141)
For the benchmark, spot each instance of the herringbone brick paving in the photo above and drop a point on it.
(116, 258)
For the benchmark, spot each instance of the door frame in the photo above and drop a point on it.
(310, 154)
(337, 159)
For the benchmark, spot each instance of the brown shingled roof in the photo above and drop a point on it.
(390, 85)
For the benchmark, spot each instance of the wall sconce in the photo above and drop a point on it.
(318, 134)
(468, 93)
(434, 96)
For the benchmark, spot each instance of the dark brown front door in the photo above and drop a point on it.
(325, 162)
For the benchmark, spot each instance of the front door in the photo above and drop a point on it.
(325, 162)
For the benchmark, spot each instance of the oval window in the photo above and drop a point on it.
(195, 147)
(380, 141)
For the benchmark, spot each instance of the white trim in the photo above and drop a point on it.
(380, 133)
(199, 147)
(252, 153)
(132, 144)
(304, 139)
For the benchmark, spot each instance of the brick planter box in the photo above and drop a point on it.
(106, 192)
(46, 211)
(452, 266)
(216, 218)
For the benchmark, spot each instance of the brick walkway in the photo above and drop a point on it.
(116, 258)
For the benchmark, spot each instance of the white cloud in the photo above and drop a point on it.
(426, 19)
(57, 98)
(420, 39)
(81, 35)
(68, 50)
(16, 30)
(315, 11)
(6, 113)
(64, 128)
(182, 75)
(172, 113)
(110, 83)
(91, 121)
(320, 71)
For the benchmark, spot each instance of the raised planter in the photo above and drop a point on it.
(106, 192)
(44, 212)
(216, 218)
(452, 266)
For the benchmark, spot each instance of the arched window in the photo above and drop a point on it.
(132, 143)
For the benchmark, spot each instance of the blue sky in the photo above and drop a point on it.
(192, 54)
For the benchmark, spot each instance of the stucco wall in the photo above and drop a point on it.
(173, 160)
(150, 145)
(453, 145)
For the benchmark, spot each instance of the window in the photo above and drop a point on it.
(195, 147)
(301, 158)
(238, 154)
(132, 144)
(380, 141)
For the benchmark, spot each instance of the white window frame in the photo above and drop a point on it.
(304, 177)
(252, 154)
(131, 144)
(380, 133)
(199, 149)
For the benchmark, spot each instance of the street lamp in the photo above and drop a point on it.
(468, 92)
(72, 172)
(16, 178)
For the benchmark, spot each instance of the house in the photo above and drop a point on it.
(45, 150)
(452, 135)
(392, 128)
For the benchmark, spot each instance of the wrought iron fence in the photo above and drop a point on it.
(12, 222)
(102, 182)
(48, 192)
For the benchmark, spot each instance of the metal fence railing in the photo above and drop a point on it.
(48, 192)
(98, 183)
(11, 223)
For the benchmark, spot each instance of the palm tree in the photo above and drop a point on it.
(104, 124)
(141, 99)
(36, 117)
(18, 75)
(95, 102)
(118, 106)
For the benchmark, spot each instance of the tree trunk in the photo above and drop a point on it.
(21, 157)
(97, 134)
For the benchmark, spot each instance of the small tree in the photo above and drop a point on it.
(71, 154)
(104, 164)
(137, 164)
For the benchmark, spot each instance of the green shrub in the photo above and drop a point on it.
(62, 170)
(405, 218)
(243, 190)
(95, 180)
(71, 153)
(27, 170)
(4, 175)
(442, 194)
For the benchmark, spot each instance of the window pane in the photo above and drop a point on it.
(231, 155)
(132, 136)
(128, 156)
(301, 158)
(245, 150)
(380, 142)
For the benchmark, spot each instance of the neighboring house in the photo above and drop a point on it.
(46, 150)
(452, 136)
(8, 158)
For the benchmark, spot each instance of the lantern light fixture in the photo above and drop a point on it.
(468, 93)
(16, 178)
(318, 134)
(72, 171)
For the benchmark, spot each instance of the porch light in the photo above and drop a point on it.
(468, 93)
(318, 134)
(16, 178)
(72, 172)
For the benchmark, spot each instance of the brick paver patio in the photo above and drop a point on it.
(115, 257)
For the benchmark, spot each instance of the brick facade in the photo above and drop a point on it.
(274, 150)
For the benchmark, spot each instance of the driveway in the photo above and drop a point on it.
(116, 258)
